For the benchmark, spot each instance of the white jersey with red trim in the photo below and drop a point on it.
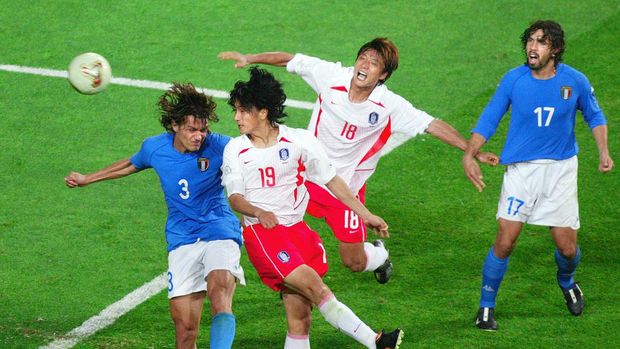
(272, 178)
(354, 134)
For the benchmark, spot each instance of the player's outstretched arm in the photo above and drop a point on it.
(337, 186)
(279, 59)
(118, 169)
(447, 134)
(470, 166)
(600, 136)
(266, 218)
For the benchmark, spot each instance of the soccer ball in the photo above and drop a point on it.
(89, 73)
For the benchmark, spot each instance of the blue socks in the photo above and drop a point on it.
(492, 274)
(566, 268)
(222, 331)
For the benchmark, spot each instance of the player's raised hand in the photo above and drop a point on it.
(488, 158)
(75, 179)
(605, 163)
(473, 173)
(378, 226)
(241, 60)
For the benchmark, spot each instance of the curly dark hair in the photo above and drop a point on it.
(183, 100)
(552, 31)
(262, 91)
(387, 50)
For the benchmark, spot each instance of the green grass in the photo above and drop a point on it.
(67, 254)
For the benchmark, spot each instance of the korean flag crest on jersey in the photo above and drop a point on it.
(373, 118)
(567, 91)
(284, 257)
(203, 164)
(283, 154)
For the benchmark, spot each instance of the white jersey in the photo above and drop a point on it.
(354, 134)
(273, 178)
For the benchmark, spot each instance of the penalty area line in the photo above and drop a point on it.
(109, 315)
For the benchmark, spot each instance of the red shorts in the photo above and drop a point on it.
(276, 252)
(347, 225)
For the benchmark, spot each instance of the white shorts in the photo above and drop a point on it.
(189, 265)
(541, 192)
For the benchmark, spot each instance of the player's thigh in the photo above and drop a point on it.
(223, 256)
(185, 270)
(558, 204)
(271, 253)
(310, 246)
(517, 197)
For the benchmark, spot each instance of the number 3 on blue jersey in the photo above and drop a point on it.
(184, 194)
(512, 200)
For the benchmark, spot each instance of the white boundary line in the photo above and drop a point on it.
(109, 315)
(114, 311)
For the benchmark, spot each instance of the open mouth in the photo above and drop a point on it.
(361, 75)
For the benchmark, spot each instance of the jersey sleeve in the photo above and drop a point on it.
(318, 167)
(588, 104)
(495, 110)
(316, 72)
(232, 177)
(142, 159)
(409, 120)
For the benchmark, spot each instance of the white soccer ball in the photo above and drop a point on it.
(89, 73)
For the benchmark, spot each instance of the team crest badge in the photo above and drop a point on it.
(284, 257)
(373, 118)
(283, 154)
(203, 164)
(567, 91)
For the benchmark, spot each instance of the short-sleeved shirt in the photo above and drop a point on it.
(191, 182)
(354, 134)
(273, 178)
(542, 119)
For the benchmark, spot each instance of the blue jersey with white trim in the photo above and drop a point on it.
(542, 119)
(197, 205)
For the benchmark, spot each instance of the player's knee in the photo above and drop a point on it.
(186, 331)
(569, 251)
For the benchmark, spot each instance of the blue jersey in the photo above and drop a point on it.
(191, 182)
(542, 119)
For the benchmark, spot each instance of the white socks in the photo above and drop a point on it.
(342, 318)
(375, 256)
(296, 342)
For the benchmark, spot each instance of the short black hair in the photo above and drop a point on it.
(183, 100)
(552, 31)
(388, 52)
(262, 91)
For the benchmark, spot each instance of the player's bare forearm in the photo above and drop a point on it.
(279, 59)
(447, 134)
(600, 136)
(266, 218)
(342, 191)
(118, 169)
